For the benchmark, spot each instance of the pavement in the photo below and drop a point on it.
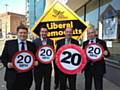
(108, 85)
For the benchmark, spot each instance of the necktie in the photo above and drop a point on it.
(22, 46)
(67, 41)
(91, 41)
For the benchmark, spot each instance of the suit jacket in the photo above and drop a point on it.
(10, 48)
(99, 66)
(43, 67)
(61, 42)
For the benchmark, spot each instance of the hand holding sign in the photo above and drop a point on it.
(70, 59)
(94, 52)
(23, 61)
(10, 65)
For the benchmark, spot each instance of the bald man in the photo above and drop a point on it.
(96, 69)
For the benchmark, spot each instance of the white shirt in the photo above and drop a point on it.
(92, 41)
(19, 44)
(44, 42)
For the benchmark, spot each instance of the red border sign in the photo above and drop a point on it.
(43, 61)
(16, 54)
(74, 48)
(100, 57)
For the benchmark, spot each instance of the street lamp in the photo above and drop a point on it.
(6, 5)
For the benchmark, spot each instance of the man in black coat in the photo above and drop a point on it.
(17, 80)
(64, 77)
(43, 71)
(96, 69)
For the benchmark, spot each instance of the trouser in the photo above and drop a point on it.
(71, 81)
(41, 76)
(56, 74)
(98, 81)
(22, 82)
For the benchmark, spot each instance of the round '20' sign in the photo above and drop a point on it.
(45, 54)
(23, 61)
(70, 59)
(94, 52)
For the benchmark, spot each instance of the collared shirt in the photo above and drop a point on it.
(44, 42)
(92, 41)
(67, 41)
(20, 45)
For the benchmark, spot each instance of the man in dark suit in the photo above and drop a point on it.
(43, 71)
(17, 80)
(64, 77)
(96, 69)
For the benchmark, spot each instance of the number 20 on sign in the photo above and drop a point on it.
(23, 61)
(70, 59)
(45, 54)
(94, 52)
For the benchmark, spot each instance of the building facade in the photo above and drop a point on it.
(103, 14)
(34, 10)
(9, 22)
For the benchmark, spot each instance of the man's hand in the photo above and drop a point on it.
(36, 63)
(105, 53)
(10, 65)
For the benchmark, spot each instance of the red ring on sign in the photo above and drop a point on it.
(13, 61)
(42, 60)
(83, 58)
(100, 58)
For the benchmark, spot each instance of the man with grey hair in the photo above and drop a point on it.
(95, 69)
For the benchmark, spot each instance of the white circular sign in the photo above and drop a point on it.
(94, 52)
(70, 59)
(23, 61)
(45, 54)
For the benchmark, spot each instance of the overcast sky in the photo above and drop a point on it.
(16, 6)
